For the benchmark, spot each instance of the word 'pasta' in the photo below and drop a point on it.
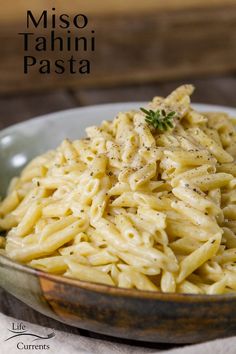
(132, 206)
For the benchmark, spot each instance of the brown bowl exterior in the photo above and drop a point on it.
(130, 314)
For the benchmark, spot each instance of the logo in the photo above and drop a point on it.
(23, 335)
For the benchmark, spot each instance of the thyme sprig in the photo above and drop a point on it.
(159, 119)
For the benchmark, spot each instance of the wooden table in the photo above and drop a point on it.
(136, 41)
(14, 109)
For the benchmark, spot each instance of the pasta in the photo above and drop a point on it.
(133, 206)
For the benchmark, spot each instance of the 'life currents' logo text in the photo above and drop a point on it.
(26, 340)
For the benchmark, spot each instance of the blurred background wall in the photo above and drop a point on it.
(143, 48)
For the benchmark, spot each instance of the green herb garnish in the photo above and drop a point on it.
(160, 119)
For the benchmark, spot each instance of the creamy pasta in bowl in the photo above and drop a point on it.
(145, 201)
(129, 230)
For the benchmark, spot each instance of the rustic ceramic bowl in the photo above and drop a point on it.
(132, 314)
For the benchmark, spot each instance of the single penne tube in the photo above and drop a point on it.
(143, 225)
(52, 228)
(85, 248)
(230, 279)
(196, 200)
(195, 117)
(55, 209)
(142, 176)
(98, 145)
(193, 261)
(102, 257)
(125, 174)
(87, 156)
(9, 203)
(161, 237)
(155, 186)
(8, 222)
(218, 180)
(226, 257)
(119, 188)
(210, 271)
(143, 131)
(53, 182)
(232, 184)
(89, 191)
(68, 151)
(188, 287)
(87, 273)
(99, 204)
(114, 154)
(155, 200)
(192, 158)
(152, 216)
(30, 218)
(97, 169)
(230, 238)
(185, 228)
(13, 242)
(13, 185)
(197, 217)
(230, 212)
(122, 125)
(127, 229)
(215, 196)
(217, 288)
(126, 199)
(160, 259)
(111, 234)
(142, 282)
(213, 134)
(137, 261)
(54, 264)
(228, 197)
(34, 172)
(192, 173)
(181, 95)
(227, 168)
(32, 196)
(185, 245)
(154, 154)
(168, 282)
(27, 253)
(220, 154)
(129, 148)
(31, 239)
(125, 280)
(94, 132)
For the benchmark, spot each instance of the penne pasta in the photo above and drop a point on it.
(146, 201)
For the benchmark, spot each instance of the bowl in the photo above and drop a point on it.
(125, 313)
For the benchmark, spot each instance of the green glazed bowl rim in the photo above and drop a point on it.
(109, 289)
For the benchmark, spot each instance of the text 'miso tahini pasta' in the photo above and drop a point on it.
(132, 205)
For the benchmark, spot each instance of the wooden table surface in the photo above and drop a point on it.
(14, 109)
